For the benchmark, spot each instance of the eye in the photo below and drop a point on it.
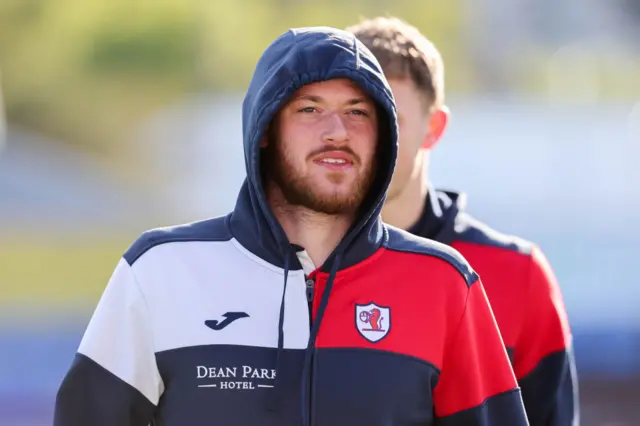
(307, 110)
(359, 112)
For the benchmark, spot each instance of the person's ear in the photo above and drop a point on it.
(437, 126)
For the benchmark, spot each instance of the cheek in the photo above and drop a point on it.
(410, 141)
(292, 143)
(407, 151)
(404, 149)
(366, 141)
(404, 167)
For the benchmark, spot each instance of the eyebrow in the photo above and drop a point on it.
(319, 99)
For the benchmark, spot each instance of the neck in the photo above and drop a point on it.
(404, 209)
(318, 233)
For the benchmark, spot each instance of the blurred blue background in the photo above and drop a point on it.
(117, 118)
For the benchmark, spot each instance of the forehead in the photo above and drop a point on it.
(339, 88)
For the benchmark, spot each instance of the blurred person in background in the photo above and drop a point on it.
(520, 284)
(218, 322)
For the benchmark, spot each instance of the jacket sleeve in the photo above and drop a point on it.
(477, 386)
(114, 379)
(543, 357)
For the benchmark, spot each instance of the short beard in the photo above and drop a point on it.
(297, 191)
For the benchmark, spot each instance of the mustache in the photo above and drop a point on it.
(331, 148)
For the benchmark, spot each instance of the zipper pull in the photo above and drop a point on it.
(310, 289)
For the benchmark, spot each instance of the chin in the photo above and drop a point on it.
(332, 190)
(338, 197)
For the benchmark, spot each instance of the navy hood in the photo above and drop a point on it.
(298, 57)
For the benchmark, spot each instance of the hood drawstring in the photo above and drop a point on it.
(274, 397)
(310, 351)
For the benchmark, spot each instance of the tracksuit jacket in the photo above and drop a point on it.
(216, 322)
(526, 301)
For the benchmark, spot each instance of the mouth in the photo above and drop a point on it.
(334, 160)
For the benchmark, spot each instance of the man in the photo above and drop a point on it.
(300, 307)
(519, 282)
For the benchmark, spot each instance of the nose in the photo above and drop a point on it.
(336, 129)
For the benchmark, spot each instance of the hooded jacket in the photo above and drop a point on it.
(216, 322)
(526, 300)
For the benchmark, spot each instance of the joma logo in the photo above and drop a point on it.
(243, 377)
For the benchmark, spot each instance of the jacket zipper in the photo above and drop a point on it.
(310, 288)
(310, 284)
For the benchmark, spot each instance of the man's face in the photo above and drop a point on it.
(321, 150)
(413, 123)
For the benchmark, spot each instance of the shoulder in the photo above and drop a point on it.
(471, 230)
(503, 258)
(402, 241)
(215, 229)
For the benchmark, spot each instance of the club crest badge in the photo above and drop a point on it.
(373, 321)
